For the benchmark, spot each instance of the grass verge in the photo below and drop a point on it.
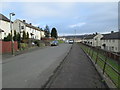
(108, 70)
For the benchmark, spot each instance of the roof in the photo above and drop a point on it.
(31, 26)
(114, 35)
(1, 30)
(2, 17)
(90, 36)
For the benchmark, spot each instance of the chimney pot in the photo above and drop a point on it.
(24, 21)
(96, 33)
(112, 31)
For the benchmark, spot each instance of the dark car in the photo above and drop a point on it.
(54, 43)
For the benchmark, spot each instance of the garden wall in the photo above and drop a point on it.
(5, 46)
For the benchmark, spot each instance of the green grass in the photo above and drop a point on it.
(108, 70)
(60, 41)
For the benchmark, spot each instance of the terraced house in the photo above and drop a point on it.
(4, 26)
(111, 42)
(34, 32)
(93, 39)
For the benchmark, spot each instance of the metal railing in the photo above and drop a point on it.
(98, 54)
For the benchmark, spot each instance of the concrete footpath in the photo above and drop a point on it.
(77, 71)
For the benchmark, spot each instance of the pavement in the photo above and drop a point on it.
(32, 69)
(77, 71)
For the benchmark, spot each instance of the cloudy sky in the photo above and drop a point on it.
(84, 17)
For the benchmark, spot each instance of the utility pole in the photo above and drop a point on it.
(12, 47)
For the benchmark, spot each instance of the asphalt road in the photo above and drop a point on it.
(77, 71)
(31, 70)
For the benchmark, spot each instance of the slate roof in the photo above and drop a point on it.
(2, 17)
(114, 35)
(90, 36)
(1, 30)
(31, 26)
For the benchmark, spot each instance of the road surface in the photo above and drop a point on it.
(31, 70)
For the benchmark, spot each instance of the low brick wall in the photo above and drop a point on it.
(5, 47)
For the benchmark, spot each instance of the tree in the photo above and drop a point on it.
(18, 37)
(27, 36)
(24, 35)
(54, 33)
(47, 31)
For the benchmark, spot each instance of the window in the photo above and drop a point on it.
(5, 34)
(115, 48)
(112, 48)
(22, 27)
(91, 43)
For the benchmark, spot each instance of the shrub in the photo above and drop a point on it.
(8, 38)
(24, 45)
(37, 42)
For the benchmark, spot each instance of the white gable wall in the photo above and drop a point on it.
(4, 25)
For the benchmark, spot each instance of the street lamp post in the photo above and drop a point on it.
(12, 47)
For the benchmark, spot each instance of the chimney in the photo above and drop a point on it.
(96, 33)
(24, 21)
(30, 23)
(112, 31)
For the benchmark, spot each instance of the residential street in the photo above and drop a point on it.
(31, 70)
(77, 71)
(62, 44)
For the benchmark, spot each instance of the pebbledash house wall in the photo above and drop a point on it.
(37, 34)
(111, 43)
(5, 47)
(5, 25)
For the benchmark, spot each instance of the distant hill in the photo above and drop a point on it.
(73, 36)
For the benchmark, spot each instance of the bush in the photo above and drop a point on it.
(42, 44)
(24, 45)
(37, 43)
(8, 38)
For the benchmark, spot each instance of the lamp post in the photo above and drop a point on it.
(12, 14)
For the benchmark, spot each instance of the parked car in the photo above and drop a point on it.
(54, 43)
(71, 41)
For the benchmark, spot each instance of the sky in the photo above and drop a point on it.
(66, 17)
